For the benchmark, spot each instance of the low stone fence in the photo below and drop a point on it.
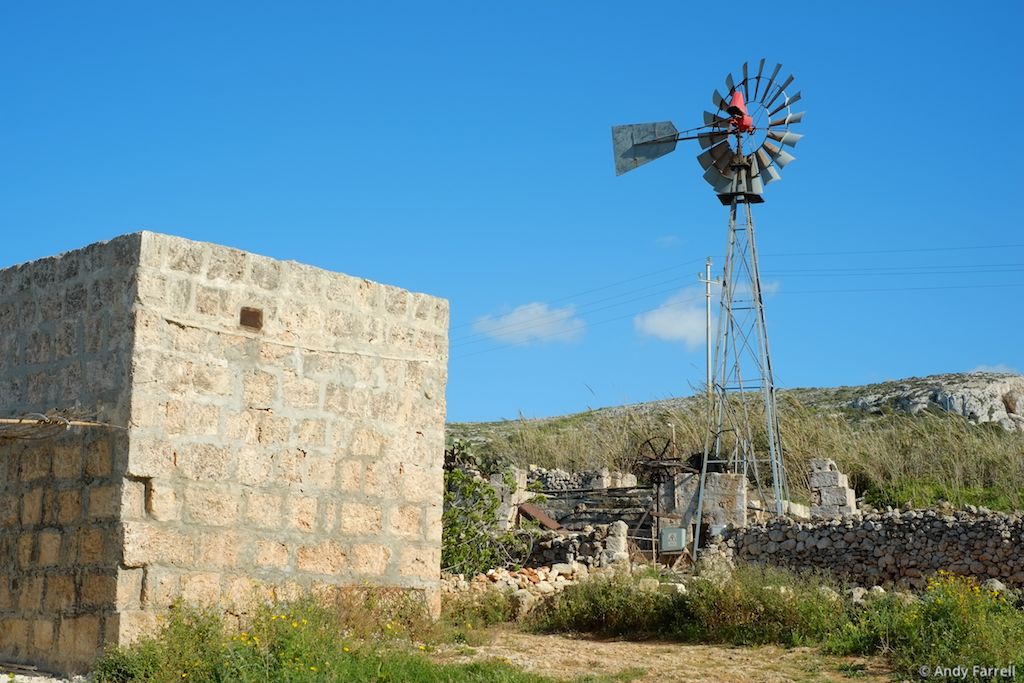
(892, 548)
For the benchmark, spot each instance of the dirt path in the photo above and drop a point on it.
(563, 657)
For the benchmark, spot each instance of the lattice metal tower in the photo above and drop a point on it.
(755, 115)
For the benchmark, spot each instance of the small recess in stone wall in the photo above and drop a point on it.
(251, 318)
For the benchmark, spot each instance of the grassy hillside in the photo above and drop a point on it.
(891, 457)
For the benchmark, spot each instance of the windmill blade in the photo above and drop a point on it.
(714, 120)
(780, 156)
(722, 154)
(789, 101)
(710, 139)
(718, 100)
(729, 83)
(788, 119)
(768, 86)
(757, 84)
(719, 182)
(746, 90)
(756, 184)
(717, 157)
(788, 139)
(768, 174)
(782, 89)
(634, 145)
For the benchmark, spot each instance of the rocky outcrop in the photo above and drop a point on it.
(979, 397)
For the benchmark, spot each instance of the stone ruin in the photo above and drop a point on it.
(274, 430)
(831, 495)
(583, 508)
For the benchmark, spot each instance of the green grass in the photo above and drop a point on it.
(893, 458)
(362, 638)
(955, 621)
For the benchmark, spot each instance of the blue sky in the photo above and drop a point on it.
(463, 149)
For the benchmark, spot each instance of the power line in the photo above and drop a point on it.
(595, 324)
(641, 276)
(897, 251)
(558, 314)
(784, 292)
(610, 285)
(542, 321)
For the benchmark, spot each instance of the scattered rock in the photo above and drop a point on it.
(523, 601)
(649, 584)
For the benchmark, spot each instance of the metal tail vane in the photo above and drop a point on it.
(741, 146)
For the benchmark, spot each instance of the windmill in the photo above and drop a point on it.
(742, 143)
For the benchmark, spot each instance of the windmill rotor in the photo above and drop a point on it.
(741, 140)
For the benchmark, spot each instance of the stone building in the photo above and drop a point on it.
(275, 429)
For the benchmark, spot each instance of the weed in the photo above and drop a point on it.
(294, 643)
(956, 622)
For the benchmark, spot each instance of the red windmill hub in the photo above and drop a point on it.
(741, 120)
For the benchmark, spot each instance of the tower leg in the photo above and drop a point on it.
(743, 379)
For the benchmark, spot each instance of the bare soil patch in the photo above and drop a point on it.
(570, 658)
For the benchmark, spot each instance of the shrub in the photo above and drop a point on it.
(471, 540)
(759, 605)
(612, 605)
(756, 605)
(956, 622)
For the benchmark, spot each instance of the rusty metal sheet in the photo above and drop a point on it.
(531, 511)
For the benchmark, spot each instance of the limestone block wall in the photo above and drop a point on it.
(65, 342)
(283, 434)
(893, 548)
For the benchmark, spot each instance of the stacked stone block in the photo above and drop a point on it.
(831, 495)
(284, 436)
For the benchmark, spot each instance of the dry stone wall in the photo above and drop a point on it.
(892, 548)
(285, 435)
(555, 479)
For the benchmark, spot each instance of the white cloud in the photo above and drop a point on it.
(998, 367)
(532, 322)
(768, 288)
(668, 241)
(679, 319)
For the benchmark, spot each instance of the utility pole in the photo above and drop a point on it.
(707, 325)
